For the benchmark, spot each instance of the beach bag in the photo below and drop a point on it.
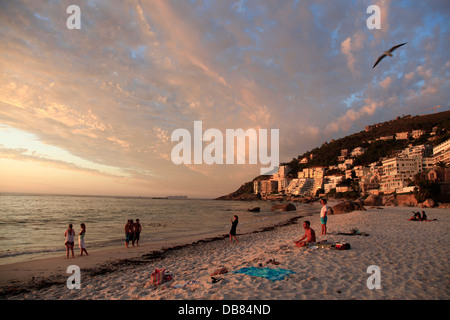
(342, 246)
(167, 276)
(157, 276)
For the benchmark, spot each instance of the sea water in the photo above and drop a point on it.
(33, 226)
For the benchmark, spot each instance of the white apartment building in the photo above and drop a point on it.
(424, 150)
(330, 182)
(398, 171)
(281, 178)
(416, 134)
(442, 152)
(358, 152)
(402, 135)
(315, 172)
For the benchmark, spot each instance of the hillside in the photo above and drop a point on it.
(327, 154)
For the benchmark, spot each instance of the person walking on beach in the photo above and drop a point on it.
(309, 235)
(81, 240)
(323, 216)
(69, 234)
(137, 231)
(234, 224)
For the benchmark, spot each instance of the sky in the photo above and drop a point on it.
(92, 110)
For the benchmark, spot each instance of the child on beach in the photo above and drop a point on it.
(234, 224)
(69, 243)
(81, 240)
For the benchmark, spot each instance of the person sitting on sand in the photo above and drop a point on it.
(309, 235)
(424, 216)
(416, 217)
(69, 234)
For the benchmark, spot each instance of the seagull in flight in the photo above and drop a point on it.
(388, 53)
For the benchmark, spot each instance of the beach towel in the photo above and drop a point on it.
(268, 273)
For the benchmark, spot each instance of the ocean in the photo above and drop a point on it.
(33, 226)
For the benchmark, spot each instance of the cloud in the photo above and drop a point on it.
(386, 82)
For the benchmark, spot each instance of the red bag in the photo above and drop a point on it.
(157, 276)
(342, 246)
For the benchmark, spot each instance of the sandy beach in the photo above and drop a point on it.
(412, 258)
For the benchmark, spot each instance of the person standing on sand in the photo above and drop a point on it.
(81, 240)
(323, 216)
(309, 235)
(137, 232)
(234, 224)
(127, 234)
(131, 232)
(69, 234)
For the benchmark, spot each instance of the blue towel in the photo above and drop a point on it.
(268, 273)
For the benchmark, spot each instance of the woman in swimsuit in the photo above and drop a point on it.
(69, 234)
(81, 240)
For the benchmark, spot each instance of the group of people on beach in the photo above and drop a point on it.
(132, 232)
(308, 237)
(70, 240)
(310, 234)
(418, 217)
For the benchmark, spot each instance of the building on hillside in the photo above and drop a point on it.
(416, 134)
(281, 178)
(268, 187)
(441, 152)
(304, 160)
(420, 151)
(330, 182)
(402, 135)
(358, 152)
(399, 172)
(257, 187)
(314, 172)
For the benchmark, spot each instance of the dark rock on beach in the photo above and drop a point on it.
(373, 200)
(283, 207)
(347, 206)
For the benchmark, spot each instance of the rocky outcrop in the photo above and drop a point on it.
(373, 200)
(429, 203)
(347, 206)
(283, 207)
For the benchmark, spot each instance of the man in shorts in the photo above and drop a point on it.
(323, 216)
